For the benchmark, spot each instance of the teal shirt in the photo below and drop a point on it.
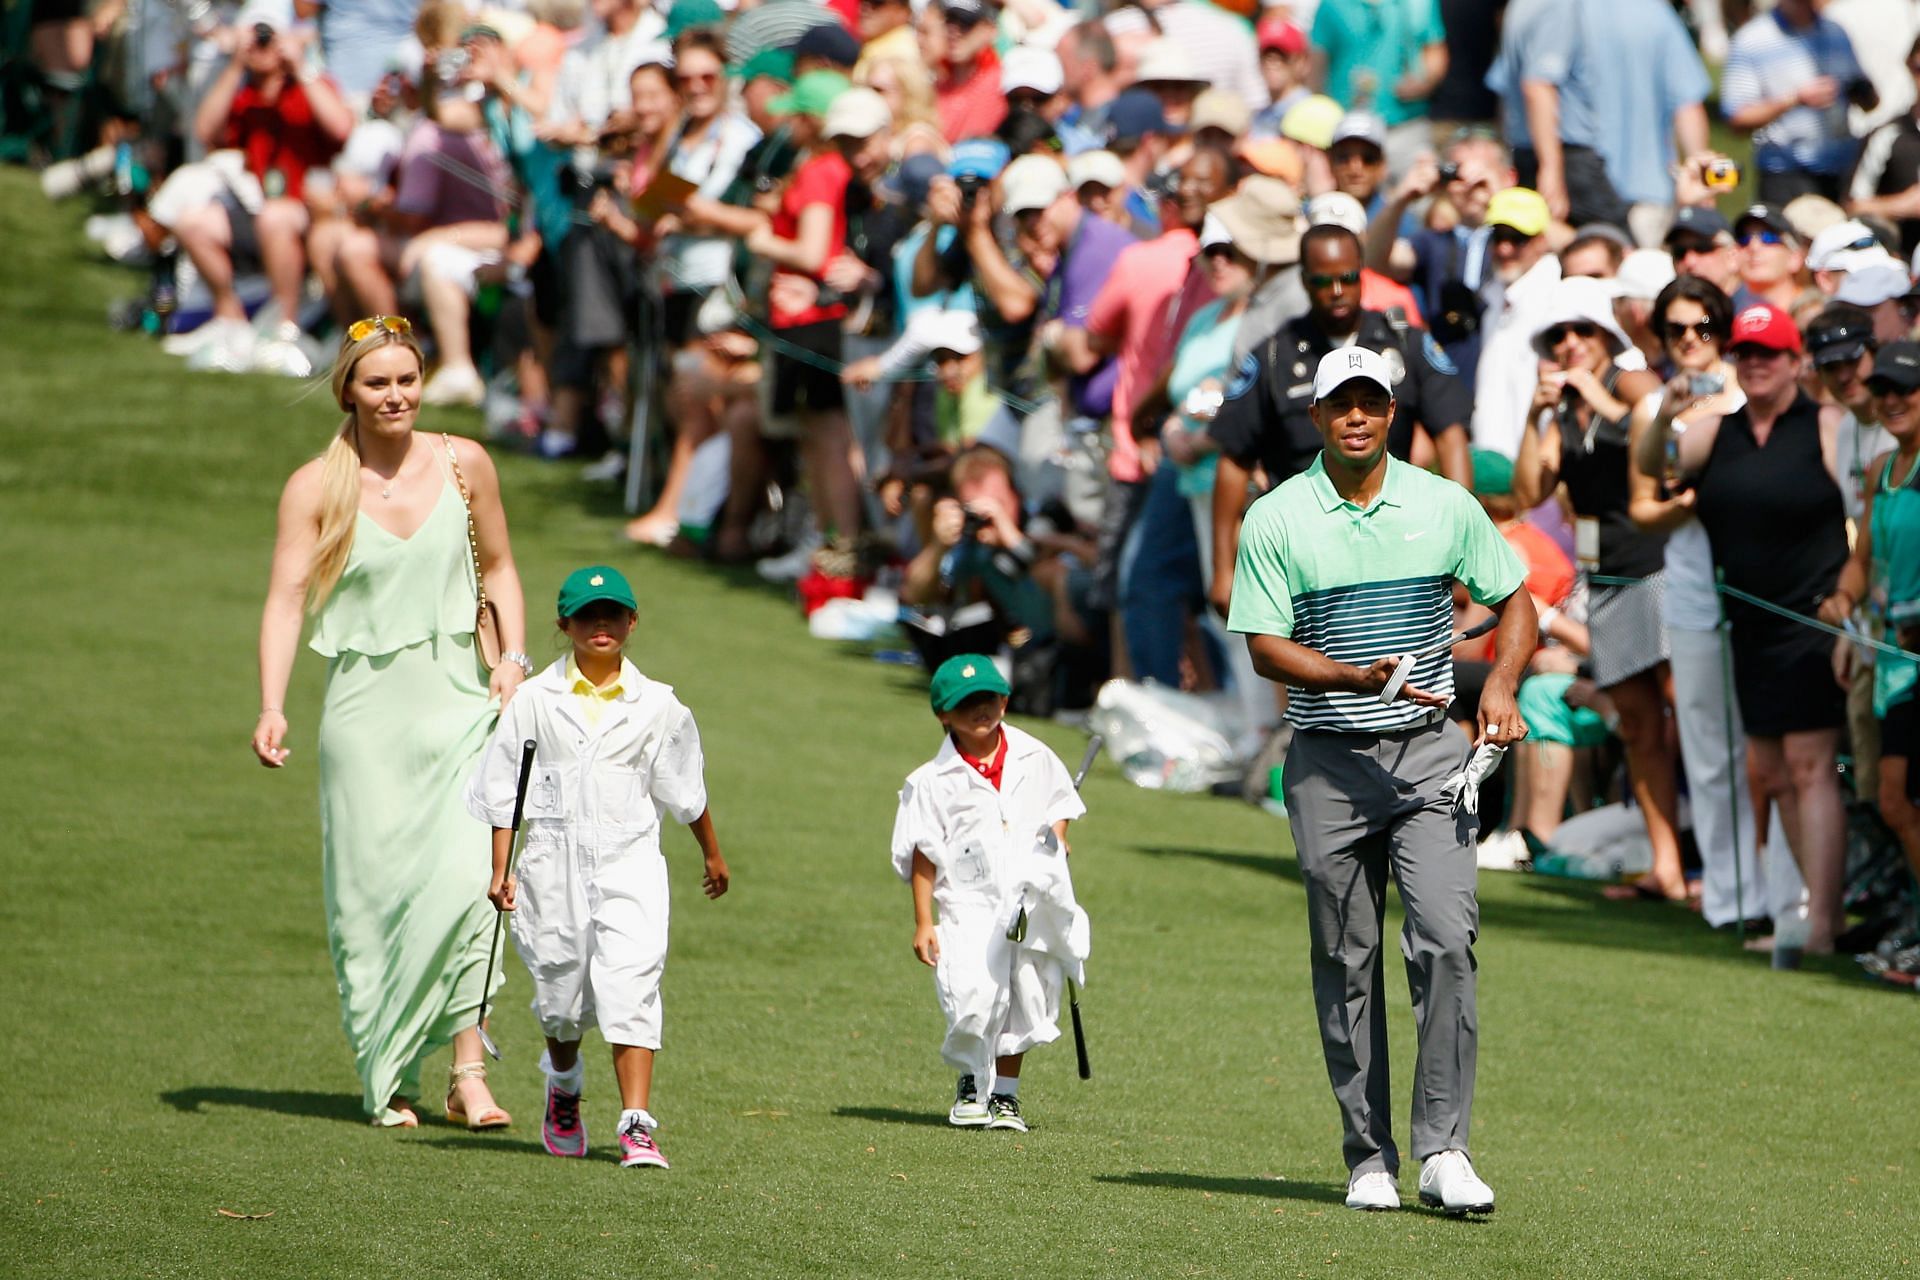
(1896, 579)
(1360, 584)
(1205, 352)
(1370, 45)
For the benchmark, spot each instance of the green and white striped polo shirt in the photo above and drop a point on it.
(1360, 584)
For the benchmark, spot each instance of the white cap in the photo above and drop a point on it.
(1579, 300)
(858, 112)
(1032, 182)
(1337, 209)
(1025, 67)
(955, 331)
(1850, 236)
(277, 14)
(1643, 274)
(1102, 167)
(1164, 62)
(1337, 368)
(1214, 232)
(1874, 281)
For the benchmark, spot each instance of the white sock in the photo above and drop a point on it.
(645, 1118)
(566, 1081)
(1008, 1085)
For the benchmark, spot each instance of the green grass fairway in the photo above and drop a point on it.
(1651, 1102)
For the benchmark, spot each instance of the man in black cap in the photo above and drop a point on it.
(1265, 422)
(1701, 243)
(1139, 132)
(1771, 257)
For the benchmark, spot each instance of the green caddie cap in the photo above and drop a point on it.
(688, 14)
(774, 64)
(1492, 474)
(811, 94)
(595, 582)
(962, 676)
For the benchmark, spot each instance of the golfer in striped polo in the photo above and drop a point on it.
(1342, 569)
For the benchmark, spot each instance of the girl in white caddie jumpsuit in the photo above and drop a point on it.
(980, 834)
(615, 754)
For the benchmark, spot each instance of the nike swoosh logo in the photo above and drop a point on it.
(1412, 536)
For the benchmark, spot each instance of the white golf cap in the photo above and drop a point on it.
(1214, 232)
(1874, 281)
(955, 331)
(1032, 182)
(277, 14)
(1850, 236)
(1038, 70)
(1337, 209)
(1164, 62)
(858, 112)
(1101, 167)
(1643, 274)
(1337, 368)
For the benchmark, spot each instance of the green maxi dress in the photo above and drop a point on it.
(405, 718)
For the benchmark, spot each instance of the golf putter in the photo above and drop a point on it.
(1073, 992)
(1398, 680)
(500, 917)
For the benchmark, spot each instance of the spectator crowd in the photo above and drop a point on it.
(1010, 310)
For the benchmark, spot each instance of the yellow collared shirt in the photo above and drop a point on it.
(594, 698)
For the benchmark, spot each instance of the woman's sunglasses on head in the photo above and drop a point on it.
(360, 330)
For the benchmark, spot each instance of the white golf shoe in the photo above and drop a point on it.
(1374, 1191)
(1448, 1183)
(968, 1112)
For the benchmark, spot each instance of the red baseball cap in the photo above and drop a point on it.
(1277, 33)
(1765, 325)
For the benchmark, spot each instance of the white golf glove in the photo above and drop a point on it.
(1463, 788)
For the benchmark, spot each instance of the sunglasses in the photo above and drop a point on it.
(1754, 351)
(697, 77)
(1318, 281)
(1510, 236)
(1703, 329)
(1763, 235)
(1578, 328)
(398, 326)
(1221, 252)
(1686, 247)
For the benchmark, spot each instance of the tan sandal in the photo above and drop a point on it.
(397, 1114)
(490, 1117)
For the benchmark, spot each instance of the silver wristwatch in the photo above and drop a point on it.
(519, 660)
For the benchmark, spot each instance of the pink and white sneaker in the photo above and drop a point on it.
(561, 1130)
(637, 1147)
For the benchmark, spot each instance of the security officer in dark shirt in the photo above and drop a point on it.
(1264, 422)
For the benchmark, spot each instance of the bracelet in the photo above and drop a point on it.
(519, 660)
(273, 711)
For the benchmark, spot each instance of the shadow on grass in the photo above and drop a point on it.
(1240, 859)
(1266, 1188)
(892, 1115)
(495, 1143)
(286, 1102)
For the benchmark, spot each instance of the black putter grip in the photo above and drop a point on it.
(520, 788)
(1080, 1041)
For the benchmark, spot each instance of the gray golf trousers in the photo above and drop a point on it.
(1363, 806)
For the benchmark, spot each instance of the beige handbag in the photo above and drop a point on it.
(486, 618)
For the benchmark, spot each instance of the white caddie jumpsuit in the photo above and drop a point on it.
(999, 997)
(590, 917)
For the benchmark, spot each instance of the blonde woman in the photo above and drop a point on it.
(373, 542)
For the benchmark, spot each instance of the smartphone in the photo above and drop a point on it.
(1700, 385)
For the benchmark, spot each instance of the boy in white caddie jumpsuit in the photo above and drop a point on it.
(615, 753)
(981, 834)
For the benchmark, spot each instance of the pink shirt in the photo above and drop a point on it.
(1132, 311)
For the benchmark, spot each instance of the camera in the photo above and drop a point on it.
(1449, 171)
(970, 185)
(448, 64)
(262, 35)
(1720, 174)
(971, 525)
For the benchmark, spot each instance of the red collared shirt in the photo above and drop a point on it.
(973, 107)
(990, 769)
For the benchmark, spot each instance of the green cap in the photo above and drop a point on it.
(774, 64)
(1492, 474)
(688, 14)
(811, 94)
(962, 676)
(595, 582)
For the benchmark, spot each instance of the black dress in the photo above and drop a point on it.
(1779, 532)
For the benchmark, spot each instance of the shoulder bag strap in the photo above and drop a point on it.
(473, 537)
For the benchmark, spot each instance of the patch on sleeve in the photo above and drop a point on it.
(1437, 358)
(1245, 376)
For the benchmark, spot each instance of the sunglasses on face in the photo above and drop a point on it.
(1881, 388)
(1510, 237)
(1759, 235)
(360, 330)
(1684, 249)
(696, 77)
(1219, 253)
(1318, 281)
(1751, 351)
(1703, 329)
(1578, 328)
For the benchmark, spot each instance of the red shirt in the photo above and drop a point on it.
(1550, 575)
(988, 769)
(820, 179)
(973, 107)
(279, 137)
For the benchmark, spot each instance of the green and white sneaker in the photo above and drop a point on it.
(1003, 1112)
(968, 1111)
